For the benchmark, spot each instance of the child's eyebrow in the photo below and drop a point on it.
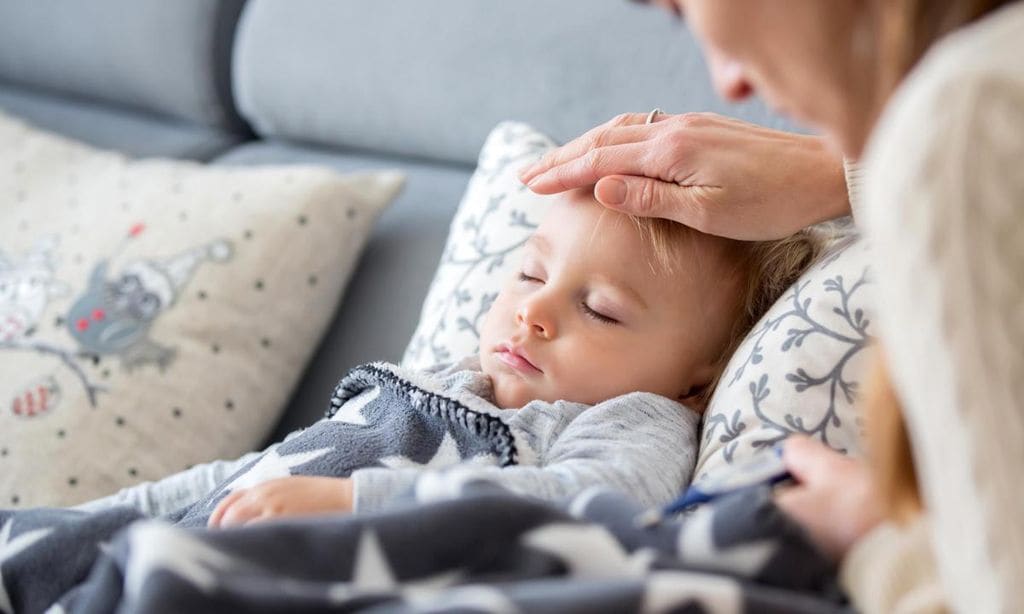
(540, 243)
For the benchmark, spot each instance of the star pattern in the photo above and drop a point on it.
(352, 411)
(696, 546)
(273, 465)
(9, 548)
(158, 546)
(447, 454)
(373, 574)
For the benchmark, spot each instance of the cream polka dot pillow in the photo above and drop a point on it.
(153, 313)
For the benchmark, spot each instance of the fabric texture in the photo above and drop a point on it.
(386, 292)
(155, 314)
(943, 200)
(800, 368)
(168, 57)
(477, 548)
(892, 570)
(436, 92)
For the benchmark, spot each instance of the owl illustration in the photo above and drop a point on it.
(115, 313)
(25, 289)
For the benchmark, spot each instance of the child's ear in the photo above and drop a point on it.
(696, 397)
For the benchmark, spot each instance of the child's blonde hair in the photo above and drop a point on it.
(765, 269)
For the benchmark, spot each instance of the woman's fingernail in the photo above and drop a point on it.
(524, 173)
(612, 192)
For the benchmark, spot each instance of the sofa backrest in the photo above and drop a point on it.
(430, 79)
(169, 57)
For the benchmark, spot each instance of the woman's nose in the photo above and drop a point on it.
(533, 316)
(728, 78)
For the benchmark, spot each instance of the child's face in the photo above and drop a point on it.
(588, 318)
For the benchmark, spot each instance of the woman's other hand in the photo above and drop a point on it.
(291, 496)
(716, 174)
(834, 498)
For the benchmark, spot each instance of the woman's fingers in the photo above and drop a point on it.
(625, 159)
(646, 197)
(627, 128)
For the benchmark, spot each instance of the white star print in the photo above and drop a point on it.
(372, 574)
(447, 454)
(588, 551)
(273, 465)
(156, 545)
(666, 591)
(352, 411)
(696, 546)
(9, 548)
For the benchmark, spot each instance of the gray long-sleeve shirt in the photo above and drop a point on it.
(639, 443)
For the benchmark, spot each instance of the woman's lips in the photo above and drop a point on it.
(516, 360)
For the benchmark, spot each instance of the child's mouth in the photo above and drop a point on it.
(515, 359)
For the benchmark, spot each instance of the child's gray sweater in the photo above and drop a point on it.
(639, 443)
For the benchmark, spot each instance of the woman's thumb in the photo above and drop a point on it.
(643, 196)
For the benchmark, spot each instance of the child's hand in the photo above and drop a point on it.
(291, 496)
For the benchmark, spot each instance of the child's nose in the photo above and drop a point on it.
(530, 315)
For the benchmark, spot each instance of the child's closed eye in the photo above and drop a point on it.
(600, 317)
(528, 278)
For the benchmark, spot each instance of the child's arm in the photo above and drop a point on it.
(641, 444)
(175, 491)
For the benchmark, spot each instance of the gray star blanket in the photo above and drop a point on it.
(480, 549)
(377, 417)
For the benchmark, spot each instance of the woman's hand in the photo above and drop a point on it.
(291, 496)
(718, 175)
(834, 499)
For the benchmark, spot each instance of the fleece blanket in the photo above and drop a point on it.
(452, 545)
(475, 550)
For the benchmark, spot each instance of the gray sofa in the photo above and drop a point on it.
(350, 84)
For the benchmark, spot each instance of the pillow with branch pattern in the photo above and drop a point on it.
(799, 369)
(495, 218)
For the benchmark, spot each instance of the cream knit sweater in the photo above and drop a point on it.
(943, 206)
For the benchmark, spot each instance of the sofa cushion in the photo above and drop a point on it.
(136, 133)
(156, 313)
(383, 300)
(168, 57)
(432, 78)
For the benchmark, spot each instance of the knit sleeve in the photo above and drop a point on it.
(892, 571)
(640, 444)
(944, 198)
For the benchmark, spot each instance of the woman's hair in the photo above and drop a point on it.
(908, 28)
(765, 270)
(891, 460)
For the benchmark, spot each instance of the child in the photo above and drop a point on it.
(595, 361)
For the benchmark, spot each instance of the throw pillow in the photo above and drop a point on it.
(154, 313)
(799, 369)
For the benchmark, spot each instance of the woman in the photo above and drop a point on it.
(932, 94)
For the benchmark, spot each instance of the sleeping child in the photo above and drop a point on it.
(595, 362)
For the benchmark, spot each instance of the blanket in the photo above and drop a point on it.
(477, 550)
(453, 544)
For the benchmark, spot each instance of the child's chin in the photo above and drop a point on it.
(512, 394)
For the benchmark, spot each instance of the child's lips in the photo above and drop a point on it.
(516, 359)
